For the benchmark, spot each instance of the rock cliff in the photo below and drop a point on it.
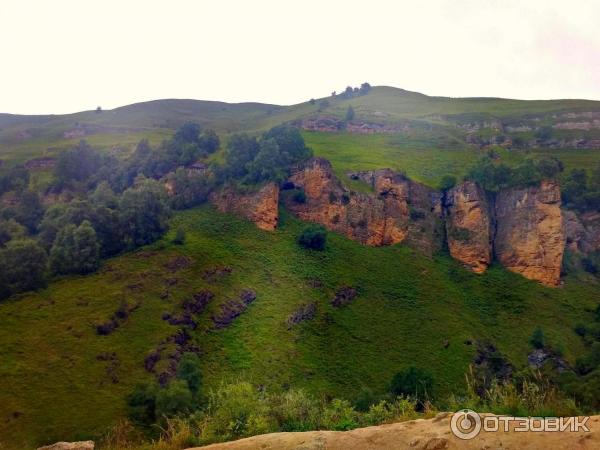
(530, 232)
(469, 226)
(261, 207)
(399, 210)
(524, 228)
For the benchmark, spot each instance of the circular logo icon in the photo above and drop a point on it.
(465, 424)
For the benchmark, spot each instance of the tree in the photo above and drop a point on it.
(142, 404)
(412, 382)
(209, 141)
(447, 182)
(22, 267)
(349, 113)
(103, 195)
(312, 101)
(98, 109)
(188, 133)
(188, 370)
(143, 212)
(11, 229)
(268, 164)
(537, 338)
(30, 210)
(75, 250)
(313, 237)
(179, 238)
(364, 88)
(77, 164)
(241, 150)
(175, 399)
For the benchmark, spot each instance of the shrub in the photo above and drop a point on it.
(179, 238)
(447, 182)
(537, 338)
(300, 196)
(295, 410)
(313, 237)
(340, 416)
(412, 382)
(173, 400)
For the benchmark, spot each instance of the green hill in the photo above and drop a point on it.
(407, 307)
(65, 381)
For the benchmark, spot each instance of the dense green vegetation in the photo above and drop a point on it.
(340, 352)
(219, 330)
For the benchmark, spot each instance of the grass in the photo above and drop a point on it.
(407, 306)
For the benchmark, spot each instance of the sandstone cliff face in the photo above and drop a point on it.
(530, 232)
(260, 207)
(399, 209)
(469, 226)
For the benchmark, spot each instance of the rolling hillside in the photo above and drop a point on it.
(66, 380)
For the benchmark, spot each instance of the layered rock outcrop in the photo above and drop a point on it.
(530, 232)
(399, 210)
(261, 207)
(524, 229)
(469, 226)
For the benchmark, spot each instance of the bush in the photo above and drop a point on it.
(300, 196)
(340, 416)
(173, 400)
(313, 237)
(412, 382)
(179, 238)
(447, 182)
(537, 338)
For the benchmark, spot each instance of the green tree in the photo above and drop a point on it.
(537, 338)
(22, 267)
(77, 164)
(240, 152)
(188, 370)
(179, 238)
(142, 404)
(412, 382)
(11, 229)
(143, 212)
(313, 237)
(75, 250)
(447, 182)
(173, 400)
(209, 141)
(30, 210)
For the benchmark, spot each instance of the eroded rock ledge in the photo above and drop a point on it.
(524, 229)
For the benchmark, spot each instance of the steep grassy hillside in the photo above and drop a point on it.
(56, 369)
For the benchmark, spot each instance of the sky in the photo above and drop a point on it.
(64, 56)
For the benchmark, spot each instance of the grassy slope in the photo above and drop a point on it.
(407, 306)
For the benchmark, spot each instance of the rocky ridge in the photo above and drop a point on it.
(523, 228)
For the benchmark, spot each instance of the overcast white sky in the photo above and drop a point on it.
(62, 56)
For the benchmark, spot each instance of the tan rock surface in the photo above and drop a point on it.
(469, 226)
(261, 207)
(530, 235)
(430, 434)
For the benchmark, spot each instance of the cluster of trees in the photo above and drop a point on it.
(350, 91)
(494, 176)
(117, 205)
(152, 403)
(251, 160)
(239, 409)
(70, 238)
(582, 191)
